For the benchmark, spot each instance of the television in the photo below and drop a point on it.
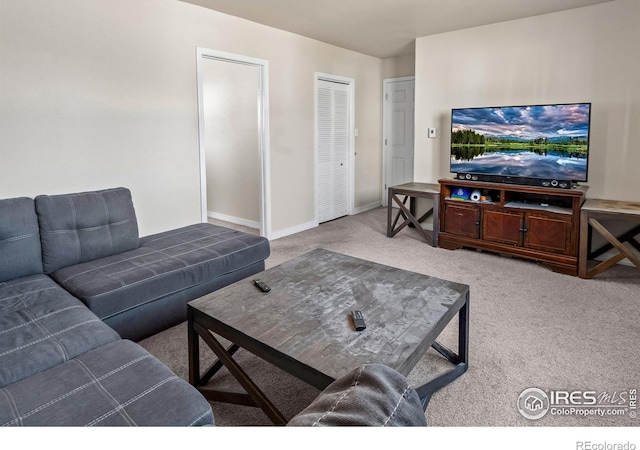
(544, 145)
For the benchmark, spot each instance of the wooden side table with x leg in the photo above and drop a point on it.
(413, 191)
(591, 214)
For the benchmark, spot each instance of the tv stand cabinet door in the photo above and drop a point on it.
(503, 227)
(462, 220)
(548, 234)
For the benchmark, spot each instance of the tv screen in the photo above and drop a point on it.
(538, 141)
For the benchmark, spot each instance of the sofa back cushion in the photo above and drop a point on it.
(76, 228)
(20, 254)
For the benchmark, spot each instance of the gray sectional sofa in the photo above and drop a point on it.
(78, 285)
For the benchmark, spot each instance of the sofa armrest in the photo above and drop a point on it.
(372, 394)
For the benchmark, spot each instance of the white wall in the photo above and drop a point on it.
(399, 66)
(583, 55)
(101, 93)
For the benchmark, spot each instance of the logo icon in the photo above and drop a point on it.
(533, 403)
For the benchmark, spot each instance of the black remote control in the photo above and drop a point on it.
(358, 320)
(262, 285)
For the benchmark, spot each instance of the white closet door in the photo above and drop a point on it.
(333, 150)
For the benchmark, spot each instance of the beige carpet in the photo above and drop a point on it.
(529, 327)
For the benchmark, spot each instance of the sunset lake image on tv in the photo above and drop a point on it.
(542, 141)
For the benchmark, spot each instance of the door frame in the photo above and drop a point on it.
(386, 128)
(351, 83)
(263, 131)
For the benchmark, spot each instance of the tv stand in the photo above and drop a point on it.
(532, 222)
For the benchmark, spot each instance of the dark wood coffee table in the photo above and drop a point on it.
(303, 325)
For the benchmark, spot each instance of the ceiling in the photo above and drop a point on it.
(383, 28)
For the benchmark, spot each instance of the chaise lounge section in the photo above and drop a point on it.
(91, 247)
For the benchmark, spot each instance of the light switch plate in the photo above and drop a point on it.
(432, 132)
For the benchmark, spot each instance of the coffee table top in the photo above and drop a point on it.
(306, 317)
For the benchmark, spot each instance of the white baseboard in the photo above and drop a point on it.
(365, 208)
(293, 230)
(309, 225)
(235, 220)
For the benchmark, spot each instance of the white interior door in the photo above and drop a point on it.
(399, 109)
(333, 149)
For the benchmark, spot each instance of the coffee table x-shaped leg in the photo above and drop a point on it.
(253, 395)
(459, 360)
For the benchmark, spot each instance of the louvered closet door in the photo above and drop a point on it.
(333, 150)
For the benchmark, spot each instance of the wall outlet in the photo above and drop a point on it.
(432, 132)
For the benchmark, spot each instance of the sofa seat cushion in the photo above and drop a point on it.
(115, 385)
(164, 263)
(41, 325)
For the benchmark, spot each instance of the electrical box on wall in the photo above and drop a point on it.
(432, 132)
